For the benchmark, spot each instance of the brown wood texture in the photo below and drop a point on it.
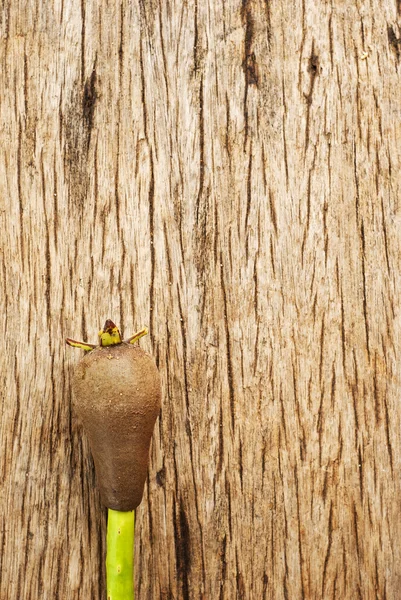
(227, 173)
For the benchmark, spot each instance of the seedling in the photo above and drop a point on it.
(117, 395)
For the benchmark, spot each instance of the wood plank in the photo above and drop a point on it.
(229, 175)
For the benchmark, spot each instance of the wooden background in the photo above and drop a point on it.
(227, 173)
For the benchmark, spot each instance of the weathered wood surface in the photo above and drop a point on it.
(229, 174)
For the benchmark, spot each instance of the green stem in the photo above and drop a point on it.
(120, 555)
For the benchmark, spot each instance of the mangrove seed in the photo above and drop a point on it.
(117, 395)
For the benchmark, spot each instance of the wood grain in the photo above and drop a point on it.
(229, 175)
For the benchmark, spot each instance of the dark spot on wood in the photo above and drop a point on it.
(251, 69)
(265, 584)
(313, 70)
(394, 41)
(240, 465)
(161, 477)
(313, 66)
(89, 100)
(182, 549)
(78, 122)
(240, 583)
(249, 63)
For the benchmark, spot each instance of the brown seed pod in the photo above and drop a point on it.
(117, 395)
